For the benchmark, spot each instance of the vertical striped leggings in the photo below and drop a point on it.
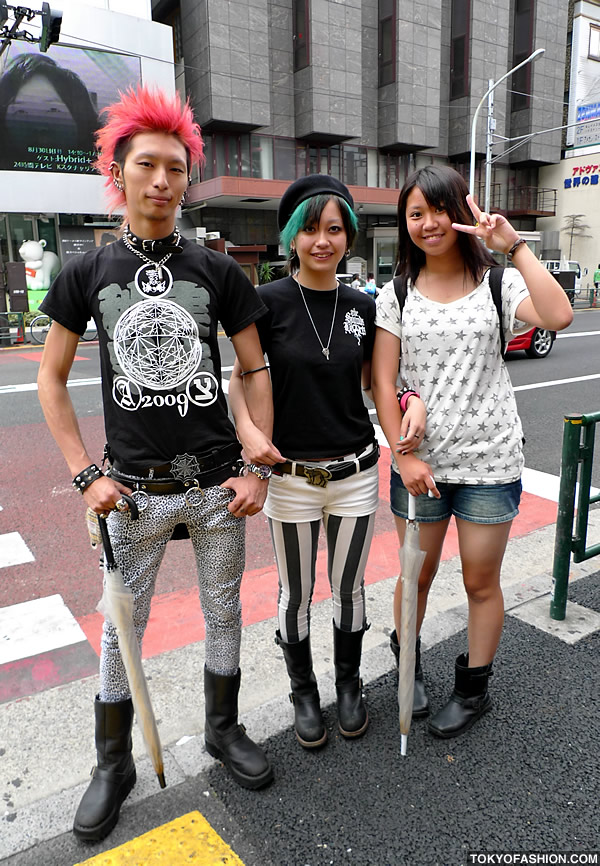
(296, 544)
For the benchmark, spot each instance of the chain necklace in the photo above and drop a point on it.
(156, 265)
(324, 349)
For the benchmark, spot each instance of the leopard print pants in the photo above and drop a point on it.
(218, 539)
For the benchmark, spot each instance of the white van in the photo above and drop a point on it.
(560, 266)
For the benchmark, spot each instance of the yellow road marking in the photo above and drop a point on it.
(189, 839)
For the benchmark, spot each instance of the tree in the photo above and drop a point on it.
(574, 228)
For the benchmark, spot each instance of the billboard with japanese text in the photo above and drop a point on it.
(51, 103)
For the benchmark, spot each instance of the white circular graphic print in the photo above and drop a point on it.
(156, 343)
(150, 280)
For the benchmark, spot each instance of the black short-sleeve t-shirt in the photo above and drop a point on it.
(159, 351)
(319, 408)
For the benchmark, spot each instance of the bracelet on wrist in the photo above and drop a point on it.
(86, 477)
(404, 396)
(515, 247)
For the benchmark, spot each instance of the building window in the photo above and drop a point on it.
(301, 25)
(284, 159)
(355, 165)
(594, 49)
(174, 21)
(459, 48)
(523, 46)
(387, 42)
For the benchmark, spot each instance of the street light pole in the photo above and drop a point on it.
(492, 85)
(489, 141)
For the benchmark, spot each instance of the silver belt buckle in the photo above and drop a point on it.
(317, 476)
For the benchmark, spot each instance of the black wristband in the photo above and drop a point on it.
(86, 477)
(515, 247)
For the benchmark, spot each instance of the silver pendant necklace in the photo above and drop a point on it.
(324, 349)
(156, 271)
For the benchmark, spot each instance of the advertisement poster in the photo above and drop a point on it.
(50, 104)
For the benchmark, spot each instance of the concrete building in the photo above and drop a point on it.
(577, 176)
(366, 90)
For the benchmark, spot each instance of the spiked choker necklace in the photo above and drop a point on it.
(170, 244)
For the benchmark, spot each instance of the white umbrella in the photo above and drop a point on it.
(117, 606)
(411, 560)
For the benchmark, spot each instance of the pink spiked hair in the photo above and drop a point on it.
(144, 110)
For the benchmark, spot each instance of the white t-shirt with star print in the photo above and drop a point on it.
(450, 355)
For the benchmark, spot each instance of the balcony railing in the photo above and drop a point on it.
(531, 201)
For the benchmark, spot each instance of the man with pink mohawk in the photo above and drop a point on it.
(157, 299)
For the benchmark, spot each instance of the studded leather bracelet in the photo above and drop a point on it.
(86, 477)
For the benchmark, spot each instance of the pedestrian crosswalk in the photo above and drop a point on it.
(37, 626)
(13, 550)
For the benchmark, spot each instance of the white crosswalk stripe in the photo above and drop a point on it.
(13, 550)
(37, 626)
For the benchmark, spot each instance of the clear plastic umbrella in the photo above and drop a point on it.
(117, 606)
(411, 559)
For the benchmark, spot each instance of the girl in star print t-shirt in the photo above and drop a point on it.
(447, 337)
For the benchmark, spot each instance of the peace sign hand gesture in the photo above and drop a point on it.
(494, 230)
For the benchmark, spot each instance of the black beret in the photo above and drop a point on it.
(307, 187)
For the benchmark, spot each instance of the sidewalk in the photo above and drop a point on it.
(526, 760)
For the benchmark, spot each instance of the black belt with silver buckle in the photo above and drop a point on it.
(183, 473)
(183, 465)
(165, 486)
(320, 476)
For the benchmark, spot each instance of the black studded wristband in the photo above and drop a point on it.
(86, 477)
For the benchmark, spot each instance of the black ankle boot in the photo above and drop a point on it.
(227, 740)
(468, 701)
(420, 699)
(353, 718)
(308, 721)
(113, 777)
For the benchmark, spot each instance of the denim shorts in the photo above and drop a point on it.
(478, 503)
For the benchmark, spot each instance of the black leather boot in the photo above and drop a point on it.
(353, 718)
(227, 740)
(420, 699)
(468, 701)
(308, 721)
(113, 777)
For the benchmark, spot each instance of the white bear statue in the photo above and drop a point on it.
(41, 265)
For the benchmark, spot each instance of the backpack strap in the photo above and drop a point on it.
(401, 290)
(495, 280)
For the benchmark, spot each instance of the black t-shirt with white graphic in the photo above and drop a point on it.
(159, 351)
(319, 409)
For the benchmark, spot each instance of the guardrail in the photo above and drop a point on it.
(577, 460)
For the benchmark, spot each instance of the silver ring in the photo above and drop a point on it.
(121, 505)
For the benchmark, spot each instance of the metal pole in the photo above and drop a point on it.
(489, 140)
(564, 519)
(534, 56)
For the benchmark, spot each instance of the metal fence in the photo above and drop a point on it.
(577, 460)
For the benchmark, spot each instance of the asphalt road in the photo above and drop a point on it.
(38, 502)
(527, 781)
(575, 354)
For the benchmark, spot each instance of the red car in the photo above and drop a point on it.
(537, 343)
